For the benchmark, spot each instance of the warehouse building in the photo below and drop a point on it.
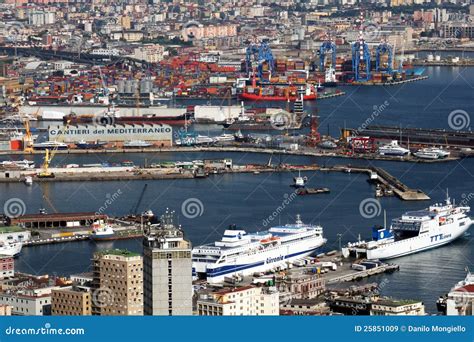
(159, 135)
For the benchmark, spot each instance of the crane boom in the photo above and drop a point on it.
(49, 155)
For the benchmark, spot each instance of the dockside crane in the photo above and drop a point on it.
(49, 155)
(134, 210)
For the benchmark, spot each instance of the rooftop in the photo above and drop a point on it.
(11, 229)
(396, 302)
(118, 252)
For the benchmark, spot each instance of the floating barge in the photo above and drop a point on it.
(312, 191)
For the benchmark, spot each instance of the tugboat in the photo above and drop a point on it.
(101, 231)
(299, 182)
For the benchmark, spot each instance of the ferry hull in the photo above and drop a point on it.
(108, 237)
(259, 262)
(436, 238)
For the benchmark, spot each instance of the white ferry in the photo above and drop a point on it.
(11, 249)
(393, 149)
(242, 254)
(414, 232)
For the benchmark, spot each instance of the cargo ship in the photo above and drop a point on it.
(414, 232)
(107, 119)
(242, 254)
(279, 93)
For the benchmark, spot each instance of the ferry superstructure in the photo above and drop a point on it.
(414, 232)
(240, 253)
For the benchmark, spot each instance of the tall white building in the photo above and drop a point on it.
(242, 301)
(460, 301)
(167, 270)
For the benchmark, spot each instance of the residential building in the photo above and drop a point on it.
(390, 307)
(151, 53)
(241, 301)
(28, 302)
(167, 270)
(301, 286)
(460, 300)
(5, 310)
(117, 286)
(71, 301)
(7, 267)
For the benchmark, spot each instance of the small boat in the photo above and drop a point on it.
(21, 164)
(50, 145)
(374, 177)
(137, 144)
(393, 149)
(299, 182)
(432, 153)
(102, 231)
(203, 140)
(29, 180)
(328, 145)
(82, 144)
(224, 137)
(10, 249)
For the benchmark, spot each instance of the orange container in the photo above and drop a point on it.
(16, 145)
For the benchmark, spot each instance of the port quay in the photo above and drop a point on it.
(300, 170)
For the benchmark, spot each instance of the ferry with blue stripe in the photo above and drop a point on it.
(414, 232)
(241, 254)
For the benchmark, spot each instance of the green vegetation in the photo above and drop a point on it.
(11, 229)
(165, 41)
(119, 252)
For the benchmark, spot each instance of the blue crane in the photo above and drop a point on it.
(327, 47)
(384, 49)
(260, 55)
(361, 53)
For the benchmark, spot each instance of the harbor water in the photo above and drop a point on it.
(256, 202)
